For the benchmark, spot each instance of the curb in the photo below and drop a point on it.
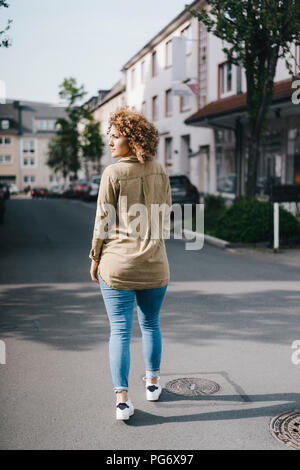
(208, 239)
(217, 241)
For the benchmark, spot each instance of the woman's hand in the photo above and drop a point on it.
(93, 271)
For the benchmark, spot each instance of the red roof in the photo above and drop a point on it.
(237, 102)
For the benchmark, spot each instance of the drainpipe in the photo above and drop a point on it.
(198, 66)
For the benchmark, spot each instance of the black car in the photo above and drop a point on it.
(183, 191)
(5, 188)
(2, 204)
(39, 192)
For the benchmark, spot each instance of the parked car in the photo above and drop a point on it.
(2, 204)
(67, 190)
(91, 192)
(39, 192)
(227, 183)
(53, 192)
(5, 188)
(183, 191)
(13, 189)
(79, 187)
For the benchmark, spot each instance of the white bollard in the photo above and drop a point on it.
(2, 352)
(276, 226)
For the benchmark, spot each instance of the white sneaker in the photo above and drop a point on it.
(124, 410)
(153, 391)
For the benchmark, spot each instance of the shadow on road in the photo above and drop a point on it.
(292, 402)
(73, 317)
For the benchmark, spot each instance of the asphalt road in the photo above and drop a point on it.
(227, 317)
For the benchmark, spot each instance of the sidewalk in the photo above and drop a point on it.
(285, 256)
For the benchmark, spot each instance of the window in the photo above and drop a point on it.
(169, 103)
(154, 64)
(225, 78)
(45, 124)
(29, 179)
(5, 140)
(5, 159)
(143, 71)
(168, 151)
(169, 54)
(297, 59)
(28, 161)
(5, 124)
(185, 103)
(293, 157)
(187, 34)
(132, 78)
(225, 161)
(28, 146)
(154, 108)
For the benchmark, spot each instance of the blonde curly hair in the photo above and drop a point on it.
(141, 134)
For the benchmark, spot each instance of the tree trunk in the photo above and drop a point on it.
(253, 157)
(257, 121)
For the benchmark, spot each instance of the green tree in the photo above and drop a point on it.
(59, 149)
(92, 144)
(257, 33)
(4, 40)
(71, 93)
(67, 148)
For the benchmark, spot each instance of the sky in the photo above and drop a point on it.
(87, 39)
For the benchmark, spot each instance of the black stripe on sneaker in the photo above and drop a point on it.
(122, 406)
(152, 388)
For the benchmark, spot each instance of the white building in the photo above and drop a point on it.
(149, 89)
(113, 99)
(204, 135)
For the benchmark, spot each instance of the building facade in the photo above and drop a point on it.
(9, 143)
(152, 88)
(225, 114)
(205, 134)
(29, 127)
(114, 99)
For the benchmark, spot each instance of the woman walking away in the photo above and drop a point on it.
(128, 253)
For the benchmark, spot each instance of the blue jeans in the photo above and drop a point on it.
(119, 306)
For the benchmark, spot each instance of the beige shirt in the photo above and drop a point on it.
(130, 262)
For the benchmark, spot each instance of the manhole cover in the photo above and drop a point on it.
(192, 387)
(286, 428)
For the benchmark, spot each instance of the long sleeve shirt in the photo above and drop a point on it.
(131, 224)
